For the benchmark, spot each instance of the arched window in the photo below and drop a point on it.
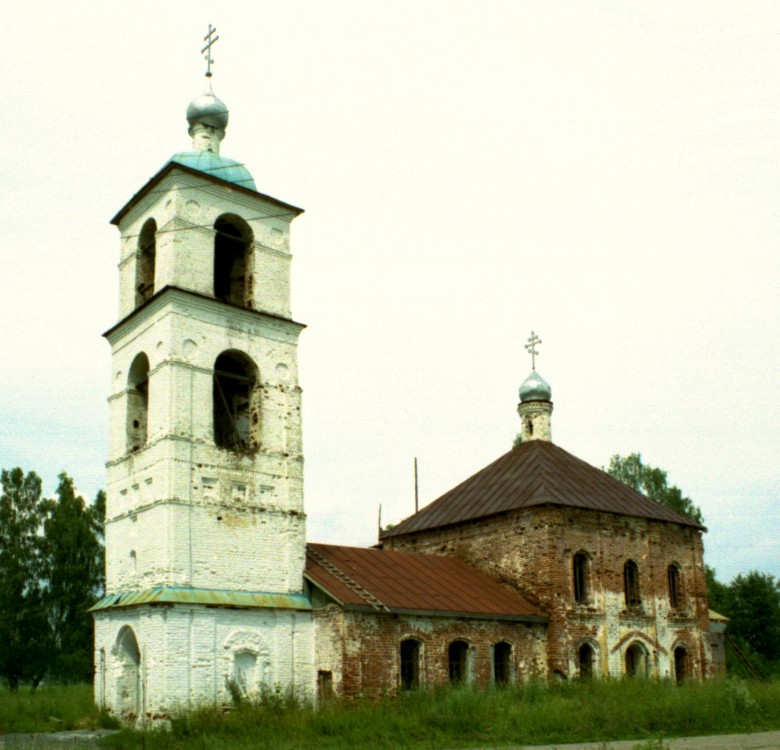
(585, 659)
(128, 676)
(636, 660)
(458, 653)
(138, 403)
(410, 664)
(579, 571)
(233, 260)
(631, 584)
(675, 586)
(144, 263)
(236, 402)
(502, 663)
(680, 664)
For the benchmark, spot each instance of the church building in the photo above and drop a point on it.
(537, 566)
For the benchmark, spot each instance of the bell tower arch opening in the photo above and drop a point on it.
(138, 403)
(233, 242)
(145, 261)
(237, 403)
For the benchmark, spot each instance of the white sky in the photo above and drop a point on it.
(604, 173)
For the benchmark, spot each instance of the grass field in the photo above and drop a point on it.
(533, 714)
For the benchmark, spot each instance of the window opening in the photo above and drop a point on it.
(631, 584)
(138, 403)
(144, 262)
(680, 664)
(585, 661)
(458, 658)
(410, 664)
(232, 272)
(502, 663)
(674, 586)
(580, 576)
(236, 403)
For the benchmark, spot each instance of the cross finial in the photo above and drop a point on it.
(533, 340)
(210, 39)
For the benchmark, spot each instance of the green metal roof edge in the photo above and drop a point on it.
(204, 597)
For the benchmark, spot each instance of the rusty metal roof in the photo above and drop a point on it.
(204, 597)
(535, 473)
(402, 582)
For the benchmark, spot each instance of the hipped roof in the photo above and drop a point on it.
(533, 474)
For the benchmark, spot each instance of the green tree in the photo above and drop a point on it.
(25, 639)
(754, 612)
(72, 556)
(652, 482)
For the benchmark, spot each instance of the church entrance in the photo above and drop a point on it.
(128, 684)
(636, 660)
(680, 664)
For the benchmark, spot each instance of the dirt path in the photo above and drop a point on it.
(757, 741)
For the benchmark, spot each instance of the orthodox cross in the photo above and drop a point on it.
(210, 39)
(533, 340)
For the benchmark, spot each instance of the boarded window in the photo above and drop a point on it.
(674, 586)
(585, 656)
(458, 658)
(232, 261)
(236, 403)
(145, 262)
(324, 685)
(138, 403)
(502, 663)
(580, 577)
(631, 584)
(410, 664)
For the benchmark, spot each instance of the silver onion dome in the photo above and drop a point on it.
(208, 110)
(535, 388)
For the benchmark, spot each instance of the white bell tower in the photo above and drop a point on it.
(205, 527)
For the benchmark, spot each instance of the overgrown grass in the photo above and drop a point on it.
(51, 708)
(538, 713)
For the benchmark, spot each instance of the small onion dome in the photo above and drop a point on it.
(216, 166)
(535, 388)
(209, 110)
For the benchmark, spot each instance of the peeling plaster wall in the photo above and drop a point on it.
(531, 551)
(187, 655)
(363, 649)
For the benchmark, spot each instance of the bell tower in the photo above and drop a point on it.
(205, 525)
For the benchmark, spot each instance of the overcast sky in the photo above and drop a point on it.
(604, 173)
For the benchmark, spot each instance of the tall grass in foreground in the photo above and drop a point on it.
(51, 708)
(533, 714)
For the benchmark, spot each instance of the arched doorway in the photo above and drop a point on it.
(636, 660)
(680, 664)
(410, 664)
(128, 684)
(585, 659)
(502, 663)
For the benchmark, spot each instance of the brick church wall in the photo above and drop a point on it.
(361, 650)
(532, 551)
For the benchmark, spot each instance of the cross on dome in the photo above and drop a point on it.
(210, 40)
(533, 340)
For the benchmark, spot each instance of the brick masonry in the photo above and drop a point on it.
(531, 551)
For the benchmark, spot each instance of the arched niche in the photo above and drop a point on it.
(138, 403)
(145, 258)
